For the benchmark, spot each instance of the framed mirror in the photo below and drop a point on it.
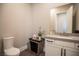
(64, 19)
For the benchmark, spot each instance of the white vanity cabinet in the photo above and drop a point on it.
(60, 48)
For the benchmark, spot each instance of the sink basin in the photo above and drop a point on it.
(59, 36)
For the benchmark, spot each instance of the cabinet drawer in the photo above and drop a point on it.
(65, 44)
(49, 42)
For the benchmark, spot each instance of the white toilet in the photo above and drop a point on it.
(9, 49)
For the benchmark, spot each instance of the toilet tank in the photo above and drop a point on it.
(8, 42)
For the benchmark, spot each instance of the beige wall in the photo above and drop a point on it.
(0, 29)
(20, 20)
(17, 21)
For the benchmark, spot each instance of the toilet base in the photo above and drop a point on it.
(13, 55)
(12, 52)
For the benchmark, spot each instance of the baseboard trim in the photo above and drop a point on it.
(23, 48)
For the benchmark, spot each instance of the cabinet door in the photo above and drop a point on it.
(72, 52)
(52, 51)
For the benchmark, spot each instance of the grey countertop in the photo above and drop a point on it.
(63, 38)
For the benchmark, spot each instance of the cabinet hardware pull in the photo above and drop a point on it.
(61, 51)
(49, 41)
(64, 52)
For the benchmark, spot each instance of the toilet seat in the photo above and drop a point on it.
(12, 51)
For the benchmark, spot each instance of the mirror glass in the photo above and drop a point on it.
(64, 19)
(61, 22)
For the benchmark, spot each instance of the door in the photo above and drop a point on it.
(72, 52)
(51, 49)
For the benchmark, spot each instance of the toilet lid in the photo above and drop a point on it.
(12, 51)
